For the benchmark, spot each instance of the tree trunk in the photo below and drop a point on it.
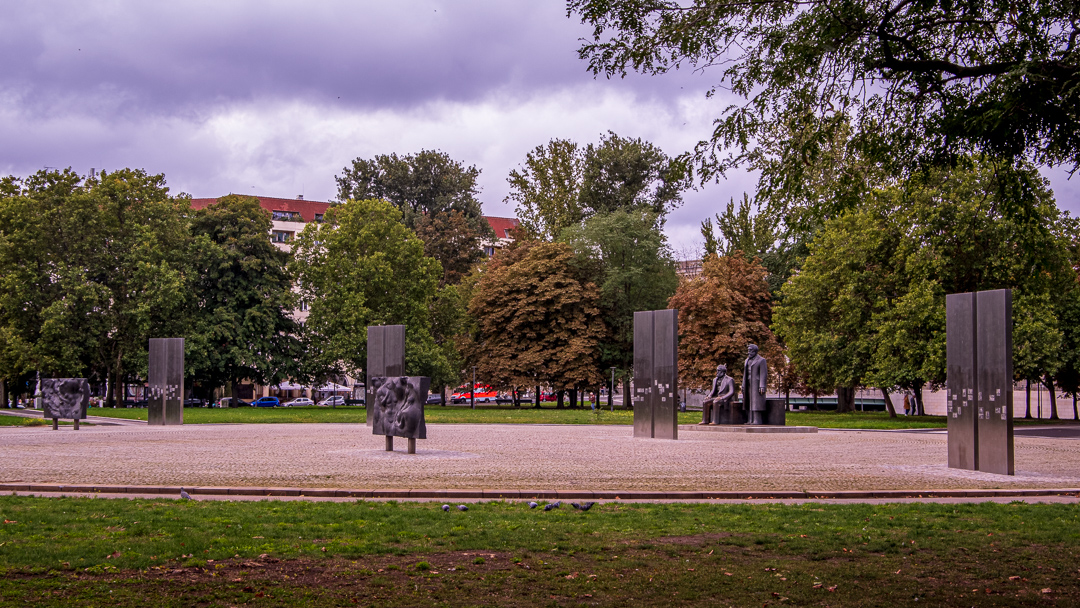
(536, 396)
(559, 399)
(3, 394)
(1027, 398)
(611, 396)
(844, 401)
(627, 402)
(573, 398)
(1049, 384)
(919, 406)
(1075, 417)
(888, 403)
(517, 397)
(234, 392)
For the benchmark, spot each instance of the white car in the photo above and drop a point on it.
(336, 400)
(300, 401)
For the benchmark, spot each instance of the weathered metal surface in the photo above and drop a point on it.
(666, 374)
(656, 374)
(65, 398)
(994, 381)
(165, 393)
(385, 358)
(960, 384)
(643, 374)
(398, 407)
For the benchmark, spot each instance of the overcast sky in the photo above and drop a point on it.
(275, 98)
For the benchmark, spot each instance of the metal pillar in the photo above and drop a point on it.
(385, 358)
(165, 403)
(656, 374)
(994, 382)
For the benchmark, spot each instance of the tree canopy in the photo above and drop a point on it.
(242, 324)
(561, 183)
(361, 266)
(437, 198)
(537, 319)
(922, 81)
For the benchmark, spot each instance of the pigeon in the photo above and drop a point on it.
(584, 507)
(184, 494)
(575, 505)
(446, 507)
(532, 505)
(462, 508)
(553, 505)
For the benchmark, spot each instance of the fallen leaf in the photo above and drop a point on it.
(833, 588)
(572, 575)
(727, 574)
(1048, 590)
(1014, 578)
(817, 586)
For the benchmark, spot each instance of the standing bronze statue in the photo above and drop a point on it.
(755, 378)
(719, 397)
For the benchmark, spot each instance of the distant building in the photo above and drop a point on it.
(688, 269)
(503, 227)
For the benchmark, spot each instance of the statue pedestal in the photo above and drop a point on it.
(775, 413)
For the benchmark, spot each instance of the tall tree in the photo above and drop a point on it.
(537, 319)
(923, 81)
(562, 184)
(92, 269)
(361, 266)
(243, 298)
(720, 313)
(430, 189)
(622, 173)
(634, 270)
(546, 189)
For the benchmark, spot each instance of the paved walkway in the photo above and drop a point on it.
(511, 457)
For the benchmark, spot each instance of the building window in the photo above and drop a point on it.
(489, 251)
(304, 305)
(280, 236)
(318, 217)
(286, 216)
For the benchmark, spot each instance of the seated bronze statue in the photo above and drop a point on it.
(723, 389)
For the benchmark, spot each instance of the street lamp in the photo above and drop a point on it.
(472, 391)
(611, 393)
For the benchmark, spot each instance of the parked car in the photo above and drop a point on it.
(267, 402)
(434, 399)
(335, 400)
(299, 402)
(359, 401)
(228, 402)
(193, 402)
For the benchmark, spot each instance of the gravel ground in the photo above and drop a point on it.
(533, 457)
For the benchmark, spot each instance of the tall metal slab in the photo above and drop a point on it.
(165, 401)
(656, 374)
(643, 374)
(961, 380)
(666, 374)
(994, 381)
(385, 358)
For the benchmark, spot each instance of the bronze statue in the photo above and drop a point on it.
(723, 388)
(755, 377)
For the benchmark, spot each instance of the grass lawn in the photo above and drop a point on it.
(21, 421)
(59, 552)
(491, 414)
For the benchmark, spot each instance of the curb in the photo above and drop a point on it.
(536, 494)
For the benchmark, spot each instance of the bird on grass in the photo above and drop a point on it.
(446, 507)
(185, 495)
(532, 505)
(553, 505)
(462, 508)
(584, 507)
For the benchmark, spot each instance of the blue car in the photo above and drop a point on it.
(267, 402)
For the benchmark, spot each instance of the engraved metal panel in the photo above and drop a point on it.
(994, 381)
(165, 393)
(65, 398)
(398, 407)
(960, 355)
(643, 374)
(666, 374)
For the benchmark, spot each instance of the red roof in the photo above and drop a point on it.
(502, 225)
(306, 209)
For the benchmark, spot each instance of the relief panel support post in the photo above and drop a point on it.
(165, 401)
(656, 374)
(385, 358)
